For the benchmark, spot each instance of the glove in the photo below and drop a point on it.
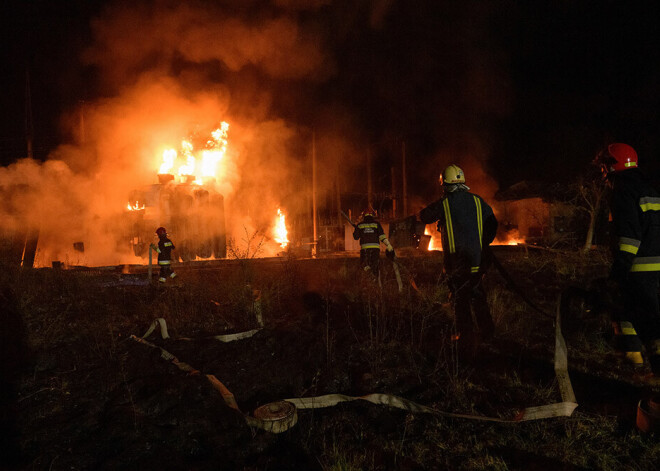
(390, 254)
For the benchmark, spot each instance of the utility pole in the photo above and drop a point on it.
(340, 221)
(314, 192)
(403, 174)
(369, 181)
(393, 193)
(29, 127)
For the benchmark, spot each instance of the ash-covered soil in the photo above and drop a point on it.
(78, 392)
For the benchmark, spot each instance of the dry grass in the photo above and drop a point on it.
(370, 339)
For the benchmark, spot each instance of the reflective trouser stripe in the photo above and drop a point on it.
(370, 246)
(480, 221)
(474, 269)
(626, 339)
(162, 280)
(646, 264)
(450, 228)
(164, 262)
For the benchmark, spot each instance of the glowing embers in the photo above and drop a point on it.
(196, 166)
(280, 232)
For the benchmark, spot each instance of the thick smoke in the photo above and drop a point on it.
(165, 66)
(169, 70)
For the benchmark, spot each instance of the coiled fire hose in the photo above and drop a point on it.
(277, 417)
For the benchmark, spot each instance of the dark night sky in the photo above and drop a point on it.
(540, 85)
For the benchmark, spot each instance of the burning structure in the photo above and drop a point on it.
(185, 201)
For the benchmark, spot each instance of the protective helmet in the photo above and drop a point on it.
(369, 211)
(161, 231)
(452, 174)
(617, 157)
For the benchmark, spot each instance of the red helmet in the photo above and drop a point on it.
(161, 231)
(617, 157)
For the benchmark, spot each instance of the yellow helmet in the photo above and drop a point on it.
(452, 174)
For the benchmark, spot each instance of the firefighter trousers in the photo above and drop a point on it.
(473, 317)
(370, 258)
(641, 305)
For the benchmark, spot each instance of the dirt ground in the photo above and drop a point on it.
(78, 392)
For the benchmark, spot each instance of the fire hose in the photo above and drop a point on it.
(279, 416)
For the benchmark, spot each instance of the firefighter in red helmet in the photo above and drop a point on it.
(370, 234)
(467, 225)
(635, 271)
(164, 250)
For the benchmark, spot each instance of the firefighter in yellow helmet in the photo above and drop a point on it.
(370, 234)
(467, 226)
(635, 272)
(164, 250)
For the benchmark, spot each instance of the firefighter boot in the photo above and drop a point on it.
(628, 343)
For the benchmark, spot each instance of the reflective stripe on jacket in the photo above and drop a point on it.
(165, 247)
(636, 218)
(370, 233)
(466, 223)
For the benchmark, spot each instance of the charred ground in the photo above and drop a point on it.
(81, 394)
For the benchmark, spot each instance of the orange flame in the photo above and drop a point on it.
(510, 238)
(280, 230)
(190, 161)
(135, 207)
(436, 242)
(169, 156)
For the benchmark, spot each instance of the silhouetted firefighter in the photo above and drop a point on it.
(164, 249)
(635, 272)
(370, 234)
(467, 226)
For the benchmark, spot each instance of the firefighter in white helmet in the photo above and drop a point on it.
(370, 234)
(164, 250)
(467, 226)
(635, 272)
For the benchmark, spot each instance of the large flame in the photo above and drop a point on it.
(280, 230)
(202, 164)
(169, 156)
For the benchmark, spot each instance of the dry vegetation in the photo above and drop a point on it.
(89, 397)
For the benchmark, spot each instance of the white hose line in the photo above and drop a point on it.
(278, 417)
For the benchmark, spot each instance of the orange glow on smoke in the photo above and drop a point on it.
(280, 230)
(190, 162)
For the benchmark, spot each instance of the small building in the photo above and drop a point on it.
(540, 214)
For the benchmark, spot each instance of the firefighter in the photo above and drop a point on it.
(635, 271)
(467, 226)
(370, 234)
(164, 249)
